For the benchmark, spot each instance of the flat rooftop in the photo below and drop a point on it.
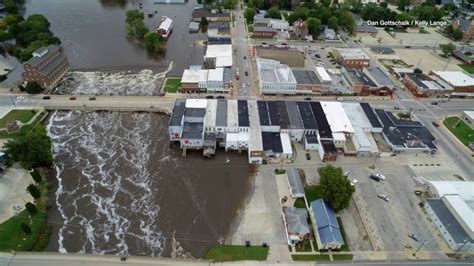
(307, 116)
(263, 113)
(450, 222)
(306, 77)
(273, 113)
(192, 130)
(294, 115)
(369, 112)
(337, 118)
(243, 113)
(323, 124)
(178, 112)
(284, 118)
(221, 113)
(352, 53)
(359, 78)
(272, 142)
(380, 76)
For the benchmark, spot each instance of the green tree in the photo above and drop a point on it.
(230, 4)
(298, 13)
(135, 27)
(249, 13)
(337, 189)
(31, 208)
(314, 26)
(447, 49)
(346, 21)
(250, 4)
(154, 43)
(25, 228)
(402, 4)
(36, 176)
(204, 21)
(273, 12)
(332, 23)
(132, 15)
(31, 150)
(33, 87)
(457, 34)
(11, 7)
(34, 191)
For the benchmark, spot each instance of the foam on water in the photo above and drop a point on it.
(109, 158)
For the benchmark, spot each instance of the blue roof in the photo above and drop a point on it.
(326, 222)
(464, 23)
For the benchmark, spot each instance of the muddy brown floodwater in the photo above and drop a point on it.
(122, 189)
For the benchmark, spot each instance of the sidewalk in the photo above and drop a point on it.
(13, 183)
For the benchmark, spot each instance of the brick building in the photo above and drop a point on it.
(351, 57)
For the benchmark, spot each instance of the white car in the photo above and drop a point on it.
(346, 174)
(339, 98)
(380, 176)
(354, 182)
(384, 197)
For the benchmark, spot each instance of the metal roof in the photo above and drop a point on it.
(326, 222)
(221, 113)
(284, 118)
(273, 113)
(324, 128)
(297, 220)
(450, 222)
(294, 180)
(359, 78)
(243, 113)
(263, 113)
(306, 77)
(272, 142)
(369, 112)
(307, 115)
(294, 115)
(380, 77)
(192, 130)
(311, 139)
(178, 112)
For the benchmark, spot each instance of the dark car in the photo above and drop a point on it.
(374, 177)
(209, 97)
(307, 99)
(317, 56)
(246, 73)
(72, 98)
(435, 124)
(414, 237)
(245, 57)
(92, 98)
(408, 46)
(308, 156)
(220, 97)
(46, 97)
(434, 103)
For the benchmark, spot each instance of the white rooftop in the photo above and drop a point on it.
(356, 115)
(255, 143)
(323, 74)
(196, 103)
(222, 53)
(337, 118)
(232, 137)
(338, 136)
(274, 72)
(286, 143)
(462, 209)
(166, 23)
(455, 78)
(469, 114)
(194, 76)
(216, 74)
(352, 53)
(465, 189)
(210, 119)
(362, 139)
(232, 113)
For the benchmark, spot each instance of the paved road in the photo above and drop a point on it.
(242, 47)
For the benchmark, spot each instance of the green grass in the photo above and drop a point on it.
(468, 68)
(312, 193)
(304, 246)
(236, 253)
(23, 130)
(13, 238)
(172, 85)
(462, 131)
(342, 256)
(310, 257)
(23, 115)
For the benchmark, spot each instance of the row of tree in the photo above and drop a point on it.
(135, 28)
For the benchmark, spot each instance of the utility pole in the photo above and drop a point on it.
(418, 249)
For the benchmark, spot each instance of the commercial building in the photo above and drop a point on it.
(362, 139)
(465, 54)
(323, 75)
(341, 127)
(192, 136)
(256, 153)
(211, 15)
(296, 225)
(275, 78)
(422, 85)
(175, 126)
(307, 82)
(296, 124)
(218, 56)
(206, 80)
(264, 32)
(459, 81)
(468, 117)
(360, 82)
(194, 81)
(307, 117)
(384, 83)
(169, 1)
(276, 24)
(326, 228)
(351, 57)
(326, 147)
(405, 135)
(377, 126)
(47, 66)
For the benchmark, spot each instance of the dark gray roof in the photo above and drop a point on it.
(204, 12)
(284, 118)
(462, 55)
(328, 146)
(380, 77)
(227, 74)
(212, 40)
(272, 142)
(417, 78)
(294, 180)
(297, 220)
(464, 24)
(366, 28)
(324, 128)
(306, 77)
(38, 60)
(450, 222)
(264, 29)
(312, 139)
(192, 130)
(243, 113)
(178, 112)
(326, 222)
(307, 116)
(359, 77)
(382, 50)
(263, 113)
(221, 113)
(273, 113)
(294, 115)
(195, 112)
(369, 112)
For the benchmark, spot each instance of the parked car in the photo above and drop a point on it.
(346, 174)
(245, 57)
(220, 97)
(161, 94)
(434, 103)
(374, 177)
(396, 108)
(307, 99)
(308, 156)
(92, 98)
(380, 176)
(414, 237)
(72, 98)
(408, 46)
(418, 192)
(47, 97)
(435, 124)
(384, 197)
(246, 73)
(209, 97)
(354, 182)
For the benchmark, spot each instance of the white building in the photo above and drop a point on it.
(279, 24)
(362, 129)
(255, 150)
(323, 75)
(215, 80)
(232, 116)
(340, 124)
(218, 56)
(210, 119)
(275, 78)
(286, 144)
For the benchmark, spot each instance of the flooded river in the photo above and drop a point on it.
(93, 34)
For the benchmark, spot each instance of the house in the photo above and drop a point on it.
(264, 32)
(466, 26)
(218, 56)
(294, 183)
(366, 29)
(211, 15)
(351, 57)
(279, 24)
(300, 29)
(47, 66)
(296, 225)
(275, 78)
(329, 34)
(326, 228)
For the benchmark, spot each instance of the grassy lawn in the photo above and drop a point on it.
(462, 131)
(342, 256)
(304, 246)
(12, 236)
(312, 193)
(172, 85)
(235, 253)
(23, 130)
(310, 257)
(468, 68)
(22, 115)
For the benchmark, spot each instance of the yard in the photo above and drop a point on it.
(22, 115)
(172, 85)
(468, 68)
(310, 257)
(342, 256)
(23, 130)
(312, 193)
(236, 253)
(12, 236)
(460, 129)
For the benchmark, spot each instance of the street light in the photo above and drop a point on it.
(418, 249)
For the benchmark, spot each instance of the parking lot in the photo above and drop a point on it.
(389, 223)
